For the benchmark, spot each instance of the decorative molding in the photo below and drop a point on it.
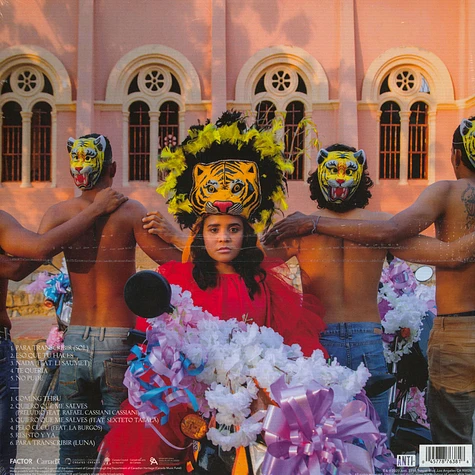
(330, 105)
(366, 106)
(71, 107)
(107, 107)
(436, 73)
(131, 63)
(27, 102)
(41, 58)
(205, 106)
(311, 70)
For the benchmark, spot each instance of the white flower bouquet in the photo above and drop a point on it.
(403, 304)
(220, 366)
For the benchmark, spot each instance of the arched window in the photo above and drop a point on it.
(139, 142)
(41, 142)
(404, 125)
(11, 141)
(419, 82)
(389, 140)
(154, 74)
(281, 91)
(27, 125)
(153, 120)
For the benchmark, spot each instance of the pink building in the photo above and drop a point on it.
(393, 77)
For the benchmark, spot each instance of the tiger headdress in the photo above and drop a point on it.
(226, 167)
(225, 187)
(87, 156)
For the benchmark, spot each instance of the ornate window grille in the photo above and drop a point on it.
(389, 141)
(41, 142)
(11, 142)
(418, 132)
(295, 138)
(404, 125)
(139, 142)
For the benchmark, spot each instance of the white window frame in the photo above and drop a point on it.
(140, 61)
(15, 59)
(296, 61)
(441, 92)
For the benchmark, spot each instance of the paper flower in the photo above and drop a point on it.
(402, 306)
(55, 339)
(226, 358)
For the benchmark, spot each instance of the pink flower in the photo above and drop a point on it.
(55, 340)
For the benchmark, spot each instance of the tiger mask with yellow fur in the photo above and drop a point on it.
(225, 187)
(339, 173)
(86, 160)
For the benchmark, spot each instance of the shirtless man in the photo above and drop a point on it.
(344, 275)
(332, 269)
(451, 353)
(17, 240)
(99, 264)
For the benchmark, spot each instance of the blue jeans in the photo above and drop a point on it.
(354, 343)
(8, 405)
(91, 390)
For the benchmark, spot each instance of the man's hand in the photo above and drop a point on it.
(107, 201)
(296, 224)
(155, 223)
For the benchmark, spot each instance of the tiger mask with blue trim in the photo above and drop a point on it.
(340, 173)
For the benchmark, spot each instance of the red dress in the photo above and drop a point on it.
(278, 305)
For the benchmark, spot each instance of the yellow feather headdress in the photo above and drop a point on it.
(226, 167)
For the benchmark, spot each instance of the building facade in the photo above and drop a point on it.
(393, 77)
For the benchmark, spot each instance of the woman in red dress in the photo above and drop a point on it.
(230, 278)
(223, 179)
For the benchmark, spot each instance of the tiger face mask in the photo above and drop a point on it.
(339, 174)
(225, 187)
(86, 160)
(467, 131)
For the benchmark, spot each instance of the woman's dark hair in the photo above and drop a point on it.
(247, 264)
(457, 142)
(361, 196)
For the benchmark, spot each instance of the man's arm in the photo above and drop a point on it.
(284, 250)
(16, 268)
(421, 214)
(427, 250)
(18, 241)
(155, 223)
(151, 243)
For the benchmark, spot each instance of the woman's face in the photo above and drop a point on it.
(223, 235)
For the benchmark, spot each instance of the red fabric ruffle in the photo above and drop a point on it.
(278, 305)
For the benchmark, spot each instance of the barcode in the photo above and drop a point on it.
(445, 456)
